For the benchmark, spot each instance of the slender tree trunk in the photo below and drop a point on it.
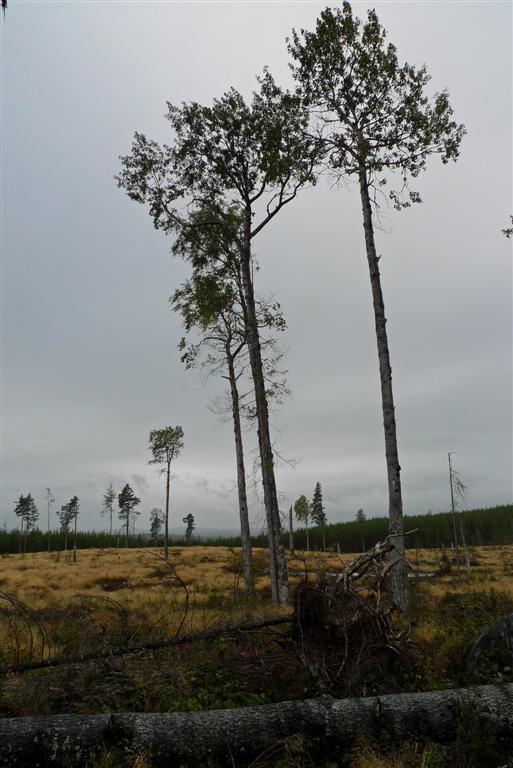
(399, 572)
(110, 527)
(278, 565)
(166, 522)
(323, 539)
(48, 528)
(20, 548)
(127, 527)
(245, 533)
(66, 540)
(75, 541)
(307, 536)
(291, 531)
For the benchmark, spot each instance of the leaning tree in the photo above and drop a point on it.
(244, 161)
(376, 120)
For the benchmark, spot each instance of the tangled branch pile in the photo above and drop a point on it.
(344, 632)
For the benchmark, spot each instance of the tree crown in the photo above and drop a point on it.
(226, 156)
(165, 444)
(317, 508)
(302, 509)
(373, 111)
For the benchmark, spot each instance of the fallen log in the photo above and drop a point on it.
(235, 734)
(150, 645)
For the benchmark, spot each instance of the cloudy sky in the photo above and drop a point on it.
(89, 359)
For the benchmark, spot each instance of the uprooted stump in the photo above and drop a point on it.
(344, 633)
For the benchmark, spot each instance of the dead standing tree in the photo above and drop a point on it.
(458, 490)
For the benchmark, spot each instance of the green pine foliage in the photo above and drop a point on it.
(483, 527)
(318, 514)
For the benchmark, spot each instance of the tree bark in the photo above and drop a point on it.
(75, 541)
(245, 533)
(291, 531)
(233, 734)
(166, 522)
(278, 566)
(399, 574)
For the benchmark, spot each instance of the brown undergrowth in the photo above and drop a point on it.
(52, 606)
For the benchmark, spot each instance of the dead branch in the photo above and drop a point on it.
(155, 645)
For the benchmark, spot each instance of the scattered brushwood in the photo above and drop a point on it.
(151, 645)
(343, 630)
(26, 634)
(444, 565)
(83, 627)
(344, 633)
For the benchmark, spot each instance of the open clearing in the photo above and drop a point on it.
(53, 607)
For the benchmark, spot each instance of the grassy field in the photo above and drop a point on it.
(116, 597)
(211, 574)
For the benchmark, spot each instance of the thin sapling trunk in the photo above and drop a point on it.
(395, 503)
(166, 522)
(247, 557)
(278, 566)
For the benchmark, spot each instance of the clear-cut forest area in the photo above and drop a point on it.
(255, 505)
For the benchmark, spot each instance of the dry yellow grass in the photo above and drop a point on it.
(142, 573)
(141, 581)
(152, 592)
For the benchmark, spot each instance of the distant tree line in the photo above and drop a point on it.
(488, 526)
(37, 541)
(483, 527)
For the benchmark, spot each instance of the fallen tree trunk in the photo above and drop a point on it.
(236, 734)
(150, 645)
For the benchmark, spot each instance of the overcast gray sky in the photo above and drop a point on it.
(89, 362)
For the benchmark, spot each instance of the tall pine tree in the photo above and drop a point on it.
(376, 120)
(318, 514)
(107, 510)
(127, 501)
